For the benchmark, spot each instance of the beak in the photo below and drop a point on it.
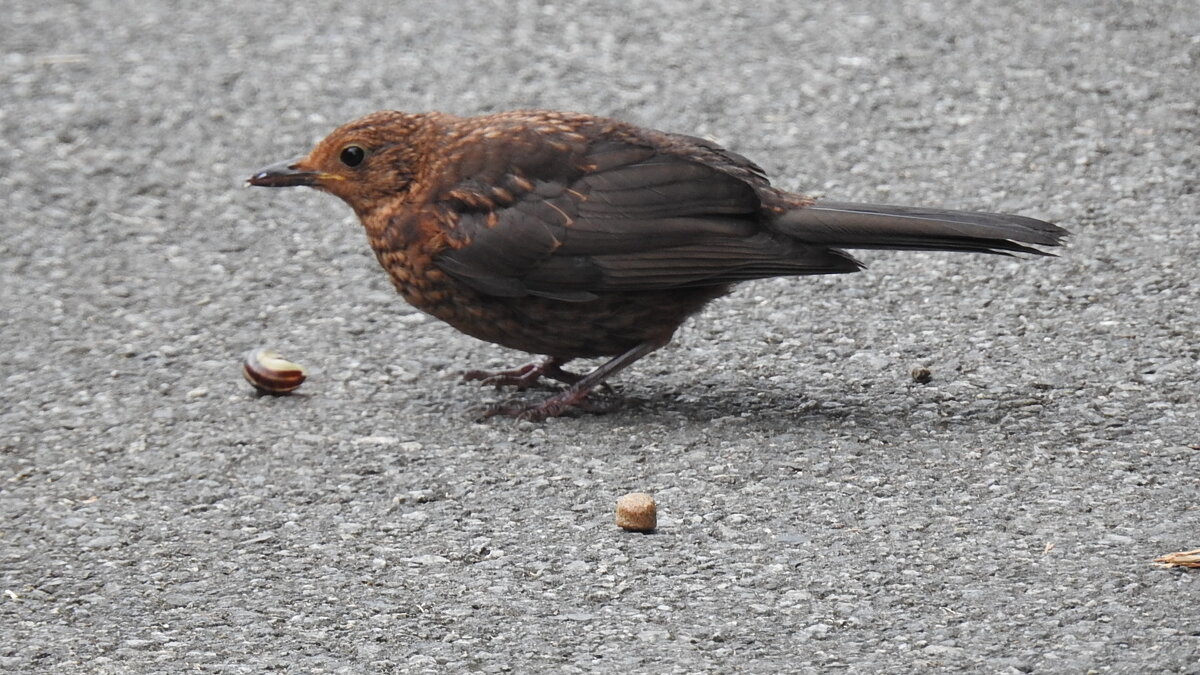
(284, 174)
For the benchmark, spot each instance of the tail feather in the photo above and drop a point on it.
(877, 226)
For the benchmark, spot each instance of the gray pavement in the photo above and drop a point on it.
(819, 510)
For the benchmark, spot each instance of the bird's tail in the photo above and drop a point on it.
(848, 225)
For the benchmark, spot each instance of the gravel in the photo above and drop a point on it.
(819, 510)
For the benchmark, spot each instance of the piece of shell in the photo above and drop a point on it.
(637, 512)
(270, 373)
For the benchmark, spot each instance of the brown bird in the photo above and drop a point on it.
(574, 236)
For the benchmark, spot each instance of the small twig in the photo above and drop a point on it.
(1181, 559)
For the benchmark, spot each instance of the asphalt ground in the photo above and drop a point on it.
(819, 510)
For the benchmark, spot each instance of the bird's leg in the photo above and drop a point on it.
(574, 395)
(526, 376)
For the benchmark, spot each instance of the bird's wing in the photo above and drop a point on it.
(626, 216)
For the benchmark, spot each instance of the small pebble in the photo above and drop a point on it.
(636, 512)
(922, 375)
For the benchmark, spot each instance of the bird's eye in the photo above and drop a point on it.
(352, 156)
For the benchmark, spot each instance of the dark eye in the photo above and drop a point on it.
(352, 155)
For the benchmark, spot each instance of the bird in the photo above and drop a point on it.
(570, 236)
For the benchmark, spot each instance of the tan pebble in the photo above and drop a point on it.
(637, 512)
(271, 373)
(922, 375)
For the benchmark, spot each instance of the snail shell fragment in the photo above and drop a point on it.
(270, 373)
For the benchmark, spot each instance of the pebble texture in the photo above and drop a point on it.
(828, 513)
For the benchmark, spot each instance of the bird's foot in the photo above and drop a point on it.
(574, 397)
(524, 377)
(565, 403)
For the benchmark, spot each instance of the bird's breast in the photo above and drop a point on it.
(608, 325)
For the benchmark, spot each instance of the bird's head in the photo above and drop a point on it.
(364, 162)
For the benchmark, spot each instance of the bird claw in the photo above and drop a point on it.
(525, 377)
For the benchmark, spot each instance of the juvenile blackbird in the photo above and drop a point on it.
(574, 236)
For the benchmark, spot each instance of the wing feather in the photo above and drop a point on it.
(628, 216)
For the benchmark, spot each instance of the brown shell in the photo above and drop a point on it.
(270, 373)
